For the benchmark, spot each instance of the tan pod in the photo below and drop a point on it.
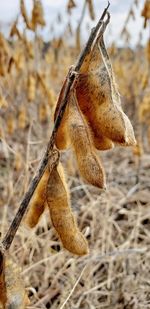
(89, 163)
(63, 220)
(100, 103)
(37, 203)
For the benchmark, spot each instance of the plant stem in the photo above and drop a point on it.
(50, 154)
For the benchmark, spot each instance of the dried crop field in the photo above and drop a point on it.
(84, 241)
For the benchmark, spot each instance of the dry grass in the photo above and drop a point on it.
(116, 224)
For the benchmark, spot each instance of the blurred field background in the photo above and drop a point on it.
(116, 223)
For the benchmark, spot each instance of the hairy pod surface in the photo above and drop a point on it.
(62, 139)
(99, 101)
(63, 220)
(89, 163)
(37, 203)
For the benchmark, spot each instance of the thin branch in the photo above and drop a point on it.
(51, 155)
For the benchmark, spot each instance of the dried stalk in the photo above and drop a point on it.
(51, 155)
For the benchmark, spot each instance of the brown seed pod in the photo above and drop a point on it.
(5, 54)
(22, 117)
(43, 112)
(24, 15)
(148, 51)
(12, 291)
(11, 124)
(37, 15)
(18, 161)
(31, 87)
(18, 59)
(146, 12)
(74, 131)
(144, 108)
(3, 102)
(45, 88)
(4, 45)
(89, 163)
(62, 138)
(63, 220)
(37, 203)
(99, 101)
(138, 149)
(148, 135)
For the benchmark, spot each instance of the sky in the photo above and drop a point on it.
(9, 9)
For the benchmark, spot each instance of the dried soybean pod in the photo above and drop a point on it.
(37, 203)
(114, 122)
(58, 201)
(12, 291)
(99, 101)
(146, 12)
(89, 92)
(24, 15)
(89, 163)
(37, 15)
(62, 140)
(31, 85)
(84, 88)
(101, 142)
